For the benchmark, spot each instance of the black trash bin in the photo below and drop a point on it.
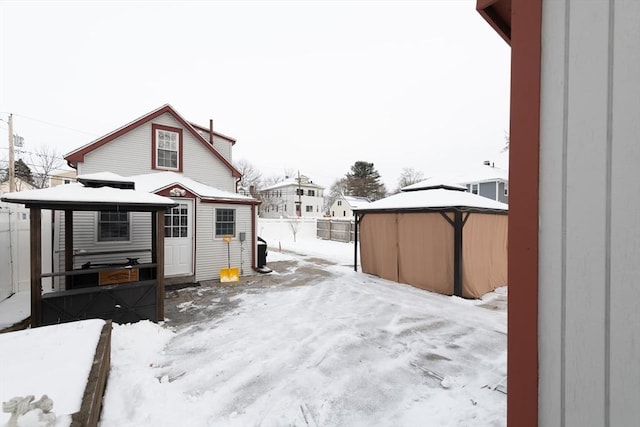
(262, 252)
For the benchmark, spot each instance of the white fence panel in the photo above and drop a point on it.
(15, 256)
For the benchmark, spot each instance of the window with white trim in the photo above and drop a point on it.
(167, 149)
(225, 222)
(113, 226)
(474, 188)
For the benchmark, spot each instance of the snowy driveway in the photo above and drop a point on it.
(312, 344)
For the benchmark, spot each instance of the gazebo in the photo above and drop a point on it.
(437, 237)
(123, 293)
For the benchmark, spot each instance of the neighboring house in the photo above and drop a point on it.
(19, 184)
(62, 177)
(573, 352)
(343, 206)
(166, 155)
(292, 197)
(488, 181)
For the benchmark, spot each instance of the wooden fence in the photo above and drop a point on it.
(336, 229)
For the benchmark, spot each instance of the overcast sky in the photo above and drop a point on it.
(301, 85)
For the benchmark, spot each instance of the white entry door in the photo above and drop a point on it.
(178, 239)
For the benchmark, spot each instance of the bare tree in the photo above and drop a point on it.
(409, 176)
(251, 176)
(294, 223)
(44, 161)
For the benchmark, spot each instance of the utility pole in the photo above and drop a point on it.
(12, 166)
(299, 196)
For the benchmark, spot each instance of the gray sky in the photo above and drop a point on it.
(309, 86)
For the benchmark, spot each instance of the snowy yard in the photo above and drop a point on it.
(312, 344)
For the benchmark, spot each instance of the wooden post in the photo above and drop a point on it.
(158, 248)
(35, 243)
(68, 248)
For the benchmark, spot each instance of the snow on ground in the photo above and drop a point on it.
(344, 349)
(52, 360)
(15, 309)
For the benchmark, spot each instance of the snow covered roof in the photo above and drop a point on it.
(354, 202)
(434, 199)
(469, 176)
(80, 197)
(153, 182)
(434, 183)
(291, 182)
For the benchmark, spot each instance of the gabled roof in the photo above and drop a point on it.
(205, 129)
(158, 181)
(355, 202)
(77, 155)
(434, 183)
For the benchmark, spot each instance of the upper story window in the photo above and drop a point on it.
(339, 202)
(167, 148)
(299, 192)
(311, 193)
(474, 188)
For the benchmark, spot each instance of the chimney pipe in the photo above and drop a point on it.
(211, 131)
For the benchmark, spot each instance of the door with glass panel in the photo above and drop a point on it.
(178, 239)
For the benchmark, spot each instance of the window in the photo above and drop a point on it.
(113, 226)
(167, 148)
(299, 192)
(474, 188)
(67, 181)
(308, 208)
(225, 222)
(506, 190)
(176, 221)
(339, 202)
(311, 193)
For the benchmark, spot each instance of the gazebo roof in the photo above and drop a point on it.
(434, 199)
(90, 197)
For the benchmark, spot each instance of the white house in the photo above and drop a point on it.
(166, 155)
(292, 197)
(343, 206)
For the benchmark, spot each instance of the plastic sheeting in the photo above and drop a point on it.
(418, 249)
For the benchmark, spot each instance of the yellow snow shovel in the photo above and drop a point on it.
(229, 274)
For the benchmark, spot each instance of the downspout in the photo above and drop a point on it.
(254, 237)
(355, 243)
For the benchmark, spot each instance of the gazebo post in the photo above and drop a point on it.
(355, 243)
(457, 253)
(68, 247)
(158, 259)
(35, 243)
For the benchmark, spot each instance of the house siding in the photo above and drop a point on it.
(488, 190)
(589, 322)
(197, 160)
(211, 252)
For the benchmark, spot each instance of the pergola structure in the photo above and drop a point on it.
(125, 302)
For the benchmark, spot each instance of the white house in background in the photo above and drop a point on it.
(292, 197)
(62, 177)
(19, 185)
(165, 154)
(487, 181)
(343, 206)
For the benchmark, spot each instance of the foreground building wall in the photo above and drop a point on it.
(589, 269)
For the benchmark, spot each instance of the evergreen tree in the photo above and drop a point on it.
(21, 170)
(364, 181)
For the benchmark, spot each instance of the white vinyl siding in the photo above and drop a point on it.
(589, 321)
(211, 254)
(135, 146)
(85, 240)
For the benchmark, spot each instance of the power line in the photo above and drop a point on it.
(55, 125)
